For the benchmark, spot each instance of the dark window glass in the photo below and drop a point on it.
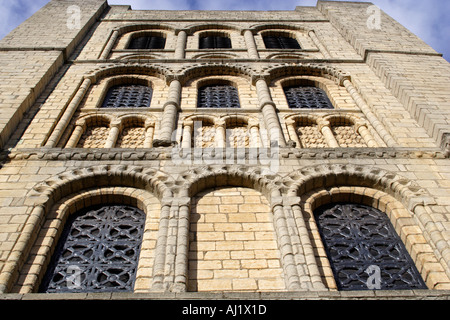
(151, 42)
(307, 97)
(280, 42)
(215, 42)
(98, 251)
(364, 249)
(128, 96)
(218, 96)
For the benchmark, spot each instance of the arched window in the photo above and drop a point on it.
(98, 251)
(307, 97)
(280, 42)
(147, 42)
(215, 42)
(364, 250)
(128, 96)
(218, 96)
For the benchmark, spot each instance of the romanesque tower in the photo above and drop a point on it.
(183, 152)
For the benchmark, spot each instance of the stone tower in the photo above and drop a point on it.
(175, 153)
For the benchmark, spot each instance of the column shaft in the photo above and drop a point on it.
(180, 49)
(169, 117)
(251, 45)
(269, 113)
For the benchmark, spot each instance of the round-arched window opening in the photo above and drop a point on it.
(364, 250)
(98, 251)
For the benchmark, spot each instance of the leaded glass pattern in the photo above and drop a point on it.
(98, 251)
(218, 96)
(307, 97)
(128, 96)
(359, 240)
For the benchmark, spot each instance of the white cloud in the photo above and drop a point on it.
(13, 13)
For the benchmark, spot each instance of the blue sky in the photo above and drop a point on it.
(429, 19)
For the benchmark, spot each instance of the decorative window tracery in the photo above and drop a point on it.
(364, 250)
(98, 251)
(218, 96)
(128, 96)
(307, 97)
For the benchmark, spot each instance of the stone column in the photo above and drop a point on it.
(219, 140)
(319, 44)
(255, 139)
(112, 40)
(169, 117)
(251, 45)
(284, 244)
(324, 127)
(80, 126)
(268, 109)
(161, 247)
(149, 132)
(293, 133)
(113, 135)
(188, 127)
(180, 49)
(308, 250)
(182, 247)
(373, 120)
(68, 114)
(361, 128)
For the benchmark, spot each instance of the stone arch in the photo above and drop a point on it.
(278, 26)
(295, 69)
(46, 194)
(215, 81)
(216, 69)
(32, 272)
(202, 184)
(215, 56)
(140, 57)
(287, 56)
(131, 68)
(143, 26)
(402, 220)
(208, 26)
(196, 180)
(202, 117)
(57, 187)
(329, 175)
(120, 80)
(350, 177)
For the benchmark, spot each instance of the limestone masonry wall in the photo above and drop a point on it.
(229, 193)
